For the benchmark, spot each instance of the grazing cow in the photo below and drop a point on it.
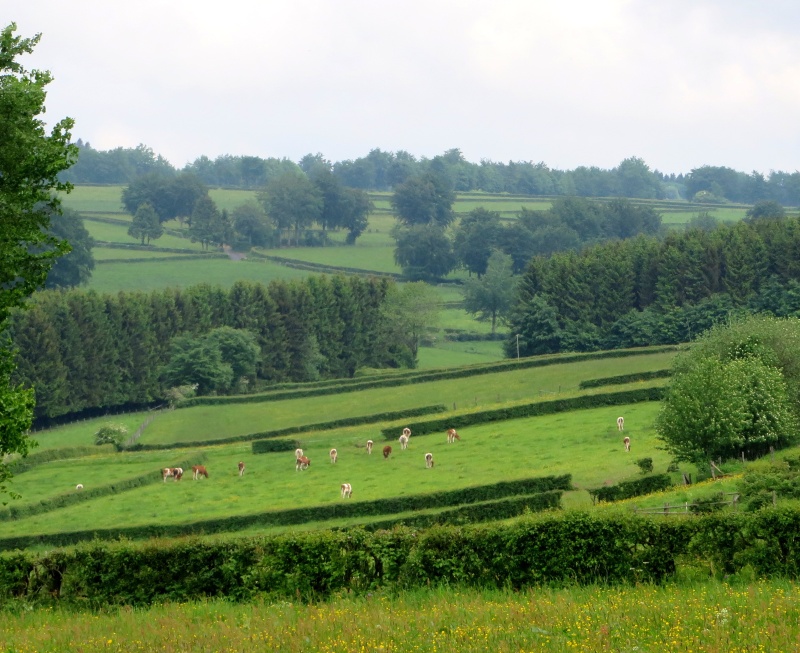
(79, 486)
(334, 455)
(407, 432)
(298, 453)
(387, 451)
(347, 491)
(302, 463)
(627, 442)
(177, 472)
(620, 423)
(369, 446)
(198, 471)
(166, 473)
(429, 460)
(452, 436)
(404, 441)
(241, 468)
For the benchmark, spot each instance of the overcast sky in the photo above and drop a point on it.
(680, 84)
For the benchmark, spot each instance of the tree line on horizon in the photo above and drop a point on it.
(381, 171)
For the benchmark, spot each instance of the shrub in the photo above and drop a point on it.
(111, 434)
(645, 464)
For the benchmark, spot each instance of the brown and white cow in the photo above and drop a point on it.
(347, 491)
(620, 423)
(404, 441)
(452, 436)
(298, 453)
(198, 471)
(429, 460)
(172, 472)
(79, 486)
(387, 451)
(407, 432)
(166, 473)
(334, 455)
(241, 468)
(627, 442)
(302, 463)
(369, 446)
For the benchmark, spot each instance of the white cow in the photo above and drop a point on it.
(347, 491)
(404, 441)
(620, 423)
(334, 455)
(369, 446)
(627, 442)
(429, 460)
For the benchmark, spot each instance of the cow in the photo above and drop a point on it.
(369, 446)
(79, 486)
(387, 451)
(627, 442)
(177, 472)
(429, 460)
(404, 441)
(298, 453)
(302, 463)
(166, 473)
(452, 436)
(620, 423)
(334, 455)
(347, 491)
(172, 472)
(407, 432)
(198, 471)
(241, 468)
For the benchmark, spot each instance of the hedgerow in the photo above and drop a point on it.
(629, 489)
(550, 549)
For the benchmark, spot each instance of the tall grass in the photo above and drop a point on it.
(699, 617)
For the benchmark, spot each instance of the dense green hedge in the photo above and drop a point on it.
(480, 512)
(530, 410)
(635, 488)
(625, 378)
(48, 455)
(291, 517)
(273, 446)
(88, 493)
(567, 548)
(383, 381)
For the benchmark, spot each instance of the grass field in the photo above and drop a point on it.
(702, 617)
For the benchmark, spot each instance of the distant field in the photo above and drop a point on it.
(114, 277)
(106, 253)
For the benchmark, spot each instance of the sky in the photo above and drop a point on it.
(679, 84)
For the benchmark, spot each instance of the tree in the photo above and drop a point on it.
(30, 161)
(534, 329)
(424, 200)
(145, 224)
(252, 225)
(209, 226)
(735, 390)
(765, 209)
(475, 237)
(239, 348)
(197, 361)
(292, 202)
(408, 311)
(75, 268)
(491, 296)
(170, 196)
(424, 252)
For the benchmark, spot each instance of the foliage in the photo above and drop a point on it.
(645, 465)
(209, 226)
(734, 392)
(171, 196)
(292, 201)
(630, 489)
(146, 224)
(111, 434)
(75, 268)
(424, 252)
(424, 200)
(406, 314)
(490, 296)
(252, 226)
(30, 161)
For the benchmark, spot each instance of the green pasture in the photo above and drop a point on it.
(483, 391)
(95, 198)
(113, 253)
(118, 233)
(455, 354)
(81, 433)
(549, 445)
(229, 198)
(369, 259)
(113, 277)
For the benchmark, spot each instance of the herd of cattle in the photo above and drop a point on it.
(302, 462)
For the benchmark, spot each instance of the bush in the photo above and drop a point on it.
(645, 464)
(111, 434)
(629, 489)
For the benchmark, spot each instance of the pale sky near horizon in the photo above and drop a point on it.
(571, 83)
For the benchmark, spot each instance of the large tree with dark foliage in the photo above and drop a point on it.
(30, 160)
(75, 268)
(424, 200)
